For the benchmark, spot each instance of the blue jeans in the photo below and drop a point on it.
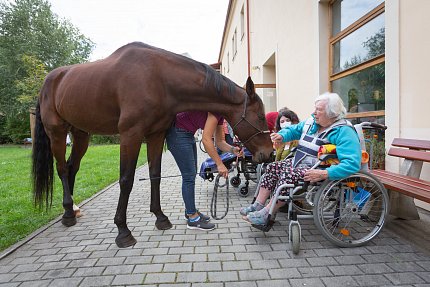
(182, 145)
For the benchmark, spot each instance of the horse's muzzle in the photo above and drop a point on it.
(261, 157)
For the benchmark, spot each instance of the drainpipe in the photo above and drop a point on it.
(248, 34)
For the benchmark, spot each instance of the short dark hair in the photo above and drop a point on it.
(288, 114)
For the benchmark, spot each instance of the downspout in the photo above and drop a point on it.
(248, 34)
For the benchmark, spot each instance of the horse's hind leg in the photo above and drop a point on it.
(79, 148)
(57, 135)
(155, 149)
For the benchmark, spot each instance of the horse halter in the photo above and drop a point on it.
(243, 118)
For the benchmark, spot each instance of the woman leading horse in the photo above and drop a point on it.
(136, 93)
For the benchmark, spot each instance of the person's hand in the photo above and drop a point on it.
(276, 138)
(276, 145)
(237, 151)
(222, 170)
(314, 175)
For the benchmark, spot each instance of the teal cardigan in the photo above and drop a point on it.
(347, 143)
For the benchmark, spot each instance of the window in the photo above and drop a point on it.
(362, 91)
(347, 12)
(242, 22)
(357, 55)
(234, 43)
(346, 52)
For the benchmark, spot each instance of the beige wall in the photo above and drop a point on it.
(296, 33)
(415, 65)
(407, 79)
(299, 57)
(407, 70)
(238, 66)
(295, 47)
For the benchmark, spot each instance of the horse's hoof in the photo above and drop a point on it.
(163, 224)
(123, 242)
(68, 221)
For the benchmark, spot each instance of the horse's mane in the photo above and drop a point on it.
(216, 79)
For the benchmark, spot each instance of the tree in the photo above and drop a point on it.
(31, 34)
(375, 44)
(30, 85)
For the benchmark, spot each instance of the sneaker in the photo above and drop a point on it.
(204, 217)
(256, 206)
(200, 224)
(257, 217)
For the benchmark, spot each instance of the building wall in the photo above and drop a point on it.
(294, 35)
(408, 62)
(238, 66)
(294, 45)
(414, 65)
(414, 69)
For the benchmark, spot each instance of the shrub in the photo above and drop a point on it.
(16, 128)
(97, 139)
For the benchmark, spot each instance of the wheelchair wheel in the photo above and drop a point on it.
(249, 170)
(302, 207)
(305, 206)
(352, 211)
(295, 238)
(235, 181)
(243, 190)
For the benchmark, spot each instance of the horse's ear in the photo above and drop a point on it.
(250, 90)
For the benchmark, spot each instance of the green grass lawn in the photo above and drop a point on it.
(19, 217)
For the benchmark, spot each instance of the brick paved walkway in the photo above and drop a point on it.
(234, 254)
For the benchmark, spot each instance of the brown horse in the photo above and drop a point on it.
(136, 93)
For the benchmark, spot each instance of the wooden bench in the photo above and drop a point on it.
(415, 153)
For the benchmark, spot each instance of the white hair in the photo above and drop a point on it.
(334, 107)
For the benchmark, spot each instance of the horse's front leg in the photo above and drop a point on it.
(154, 152)
(130, 147)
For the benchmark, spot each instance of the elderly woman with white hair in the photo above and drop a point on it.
(326, 125)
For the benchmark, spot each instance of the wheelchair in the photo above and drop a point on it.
(348, 212)
(241, 166)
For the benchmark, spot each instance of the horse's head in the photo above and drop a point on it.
(250, 126)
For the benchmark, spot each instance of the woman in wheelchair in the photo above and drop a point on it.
(326, 125)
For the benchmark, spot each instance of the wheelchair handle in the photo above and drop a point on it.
(378, 126)
(371, 125)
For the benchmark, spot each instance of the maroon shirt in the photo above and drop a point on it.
(193, 120)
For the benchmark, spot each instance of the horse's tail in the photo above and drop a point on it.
(43, 166)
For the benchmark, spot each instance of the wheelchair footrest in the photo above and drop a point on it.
(264, 227)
